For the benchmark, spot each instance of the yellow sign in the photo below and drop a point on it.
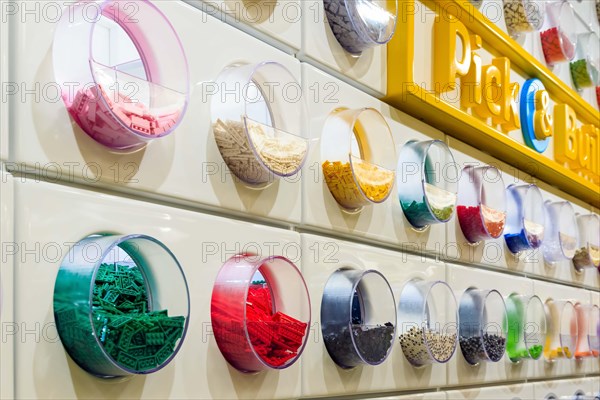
(490, 103)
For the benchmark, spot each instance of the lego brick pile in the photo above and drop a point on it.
(587, 257)
(519, 343)
(419, 345)
(480, 222)
(534, 352)
(105, 121)
(344, 22)
(372, 341)
(437, 205)
(529, 238)
(375, 182)
(282, 155)
(556, 46)
(522, 16)
(132, 335)
(276, 337)
(474, 348)
(559, 352)
(583, 73)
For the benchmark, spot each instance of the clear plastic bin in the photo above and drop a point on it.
(481, 209)
(525, 221)
(427, 180)
(428, 322)
(260, 312)
(588, 252)
(257, 116)
(559, 39)
(121, 305)
(527, 329)
(482, 331)
(358, 317)
(585, 66)
(523, 16)
(121, 101)
(361, 24)
(561, 339)
(588, 326)
(561, 236)
(358, 157)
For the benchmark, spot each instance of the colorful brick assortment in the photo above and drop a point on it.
(530, 238)
(556, 46)
(134, 336)
(375, 182)
(276, 337)
(106, 120)
(477, 221)
(581, 73)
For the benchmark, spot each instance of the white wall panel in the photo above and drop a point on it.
(9, 330)
(277, 22)
(564, 387)
(510, 392)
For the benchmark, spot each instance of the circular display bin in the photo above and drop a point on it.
(358, 317)
(361, 24)
(585, 65)
(122, 102)
(526, 331)
(427, 180)
(559, 41)
(121, 305)
(561, 235)
(561, 339)
(588, 253)
(588, 320)
(523, 16)
(428, 320)
(260, 312)
(525, 218)
(482, 331)
(481, 208)
(257, 122)
(358, 157)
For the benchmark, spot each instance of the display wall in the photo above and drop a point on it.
(228, 200)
